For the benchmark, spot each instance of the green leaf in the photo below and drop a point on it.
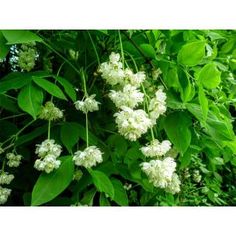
(69, 89)
(69, 134)
(88, 197)
(102, 182)
(177, 128)
(8, 103)
(203, 102)
(187, 91)
(4, 49)
(14, 80)
(210, 76)
(20, 36)
(148, 50)
(30, 99)
(117, 144)
(49, 87)
(103, 201)
(120, 196)
(191, 54)
(49, 186)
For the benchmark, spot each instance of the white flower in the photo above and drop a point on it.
(13, 160)
(157, 105)
(114, 58)
(130, 96)
(6, 178)
(134, 79)
(159, 172)
(174, 185)
(132, 123)
(48, 146)
(48, 151)
(89, 104)
(50, 112)
(156, 149)
(4, 194)
(88, 158)
(112, 71)
(47, 164)
(196, 176)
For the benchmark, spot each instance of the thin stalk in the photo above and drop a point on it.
(84, 84)
(121, 49)
(49, 128)
(10, 117)
(87, 134)
(94, 47)
(21, 130)
(61, 56)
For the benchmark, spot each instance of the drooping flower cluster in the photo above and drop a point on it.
(157, 105)
(132, 123)
(156, 149)
(4, 194)
(129, 97)
(112, 71)
(91, 155)
(48, 152)
(50, 112)
(5, 178)
(160, 172)
(89, 104)
(27, 57)
(14, 160)
(88, 158)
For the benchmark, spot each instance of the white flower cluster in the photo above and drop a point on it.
(161, 174)
(50, 112)
(174, 186)
(156, 149)
(89, 104)
(132, 123)
(48, 151)
(129, 97)
(14, 160)
(88, 158)
(6, 178)
(4, 194)
(112, 71)
(157, 105)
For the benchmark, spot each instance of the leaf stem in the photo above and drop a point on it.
(94, 48)
(87, 134)
(121, 49)
(49, 128)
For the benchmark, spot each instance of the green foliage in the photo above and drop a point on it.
(48, 186)
(177, 128)
(195, 68)
(102, 182)
(30, 99)
(192, 53)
